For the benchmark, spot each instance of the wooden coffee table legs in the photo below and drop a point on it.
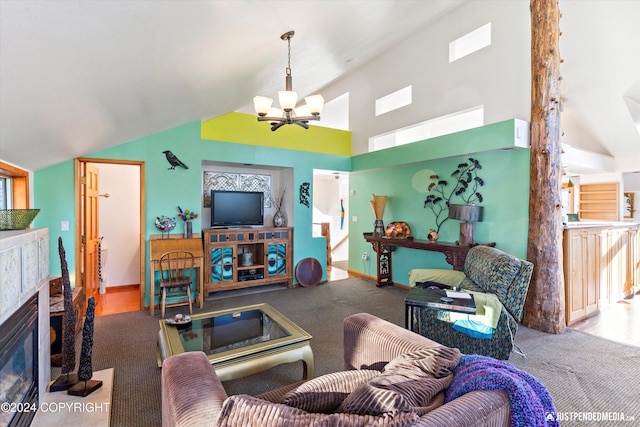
(265, 360)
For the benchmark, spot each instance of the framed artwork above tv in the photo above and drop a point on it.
(230, 181)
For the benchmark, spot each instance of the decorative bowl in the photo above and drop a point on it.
(165, 224)
(398, 230)
(17, 219)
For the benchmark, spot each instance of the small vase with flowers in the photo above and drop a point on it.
(187, 216)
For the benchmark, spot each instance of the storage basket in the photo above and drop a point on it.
(17, 219)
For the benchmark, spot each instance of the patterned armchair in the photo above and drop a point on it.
(486, 270)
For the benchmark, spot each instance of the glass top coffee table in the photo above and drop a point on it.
(239, 341)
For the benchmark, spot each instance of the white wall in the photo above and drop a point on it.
(631, 181)
(439, 88)
(119, 219)
(631, 184)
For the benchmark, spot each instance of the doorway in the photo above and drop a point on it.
(115, 275)
(330, 218)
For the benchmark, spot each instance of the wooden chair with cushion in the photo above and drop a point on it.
(176, 275)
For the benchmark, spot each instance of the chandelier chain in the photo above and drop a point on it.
(289, 56)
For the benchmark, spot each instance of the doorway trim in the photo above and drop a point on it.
(79, 162)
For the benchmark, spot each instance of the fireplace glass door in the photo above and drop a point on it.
(19, 365)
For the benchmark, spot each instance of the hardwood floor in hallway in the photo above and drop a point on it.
(118, 299)
(618, 322)
(338, 271)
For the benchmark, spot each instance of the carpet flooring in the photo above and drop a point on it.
(588, 377)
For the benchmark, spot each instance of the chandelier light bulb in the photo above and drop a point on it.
(315, 104)
(302, 111)
(275, 112)
(288, 99)
(262, 104)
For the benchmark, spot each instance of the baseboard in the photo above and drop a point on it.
(367, 276)
(358, 274)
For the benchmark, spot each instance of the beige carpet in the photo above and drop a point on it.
(583, 373)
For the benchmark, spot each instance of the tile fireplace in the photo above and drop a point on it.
(25, 367)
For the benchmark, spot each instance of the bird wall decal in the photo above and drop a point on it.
(173, 160)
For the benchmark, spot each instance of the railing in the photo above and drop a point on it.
(344, 239)
(325, 231)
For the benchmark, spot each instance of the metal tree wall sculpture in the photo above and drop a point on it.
(86, 385)
(305, 192)
(67, 379)
(467, 184)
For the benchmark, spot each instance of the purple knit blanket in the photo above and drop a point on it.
(531, 403)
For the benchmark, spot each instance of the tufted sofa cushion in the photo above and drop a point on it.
(325, 393)
(411, 385)
(491, 270)
(412, 382)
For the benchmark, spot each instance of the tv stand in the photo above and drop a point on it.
(226, 265)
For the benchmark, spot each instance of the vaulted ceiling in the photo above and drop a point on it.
(80, 76)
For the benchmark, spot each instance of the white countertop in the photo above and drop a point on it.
(583, 224)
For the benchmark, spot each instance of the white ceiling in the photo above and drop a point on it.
(600, 46)
(80, 76)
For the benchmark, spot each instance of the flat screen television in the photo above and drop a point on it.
(237, 208)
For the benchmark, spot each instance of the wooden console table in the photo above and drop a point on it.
(159, 245)
(454, 254)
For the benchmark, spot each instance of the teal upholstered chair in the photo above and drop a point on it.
(486, 270)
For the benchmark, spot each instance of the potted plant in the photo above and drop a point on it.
(187, 216)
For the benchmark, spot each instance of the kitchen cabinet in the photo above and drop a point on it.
(581, 249)
(601, 266)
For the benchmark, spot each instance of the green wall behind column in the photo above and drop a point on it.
(506, 195)
(53, 195)
(390, 172)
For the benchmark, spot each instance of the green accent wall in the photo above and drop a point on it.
(496, 136)
(53, 195)
(166, 189)
(397, 172)
(402, 173)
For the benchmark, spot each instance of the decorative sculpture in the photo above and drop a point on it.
(174, 161)
(305, 192)
(377, 204)
(67, 379)
(466, 186)
(165, 224)
(86, 385)
(398, 230)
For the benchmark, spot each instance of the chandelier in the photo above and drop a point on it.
(288, 113)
